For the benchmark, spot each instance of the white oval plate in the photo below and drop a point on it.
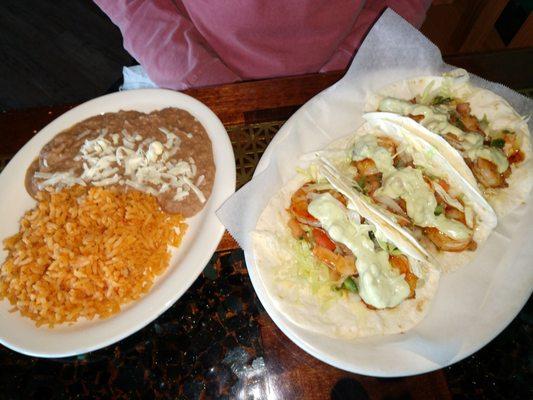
(469, 291)
(202, 237)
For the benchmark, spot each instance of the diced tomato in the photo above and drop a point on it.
(517, 157)
(322, 239)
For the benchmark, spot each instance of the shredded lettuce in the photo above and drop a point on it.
(304, 269)
(425, 97)
(389, 248)
(446, 89)
(311, 173)
(320, 186)
(384, 243)
(452, 81)
(439, 100)
(484, 123)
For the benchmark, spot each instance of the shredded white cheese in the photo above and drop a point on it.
(145, 165)
(200, 180)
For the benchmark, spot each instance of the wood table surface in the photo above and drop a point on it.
(291, 372)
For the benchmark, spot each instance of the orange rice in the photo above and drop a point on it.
(85, 252)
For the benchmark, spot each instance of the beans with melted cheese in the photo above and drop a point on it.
(165, 153)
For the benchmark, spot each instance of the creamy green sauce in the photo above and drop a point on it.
(436, 120)
(367, 147)
(409, 185)
(496, 156)
(379, 284)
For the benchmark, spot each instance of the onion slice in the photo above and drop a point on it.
(469, 217)
(446, 197)
(390, 203)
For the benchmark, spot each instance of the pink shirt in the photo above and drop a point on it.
(194, 43)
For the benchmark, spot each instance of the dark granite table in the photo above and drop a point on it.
(217, 341)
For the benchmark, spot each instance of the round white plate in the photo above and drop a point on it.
(472, 306)
(203, 235)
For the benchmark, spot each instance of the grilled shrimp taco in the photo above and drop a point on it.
(332, 267)
(407, 181)
(476, 124)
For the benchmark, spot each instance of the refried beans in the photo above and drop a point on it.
(166, 153)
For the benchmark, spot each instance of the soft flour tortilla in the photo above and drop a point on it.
(344, 315)
(500, 115)
(379, 125)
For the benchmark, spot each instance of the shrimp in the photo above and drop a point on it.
(366, 167)
(486, 172)
(401, 263)
(401, 217)
(387, 143)
(300, 203)
(403, 221)
(298, 207)
(403, 205)
(372, 177)
(300, 216)
(403, 160)
(372, 183)
(343, 265)
(295, 228)
(446, 243)
(454, 141)
(454, 213)
(417, 118)
(324, 249)
(323, 240)
(470, 122)
(511, 148)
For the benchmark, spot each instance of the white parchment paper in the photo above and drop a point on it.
(464, 315)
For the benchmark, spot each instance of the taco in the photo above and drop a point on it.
(332, 268)
(476, 125)
(409, 183)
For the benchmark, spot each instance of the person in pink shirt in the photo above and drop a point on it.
(195, 43)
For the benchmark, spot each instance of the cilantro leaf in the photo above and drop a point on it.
(455, 120)
(484, 123)
(362, 182)
(498, 143)
(438, 100)
(350, 285)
